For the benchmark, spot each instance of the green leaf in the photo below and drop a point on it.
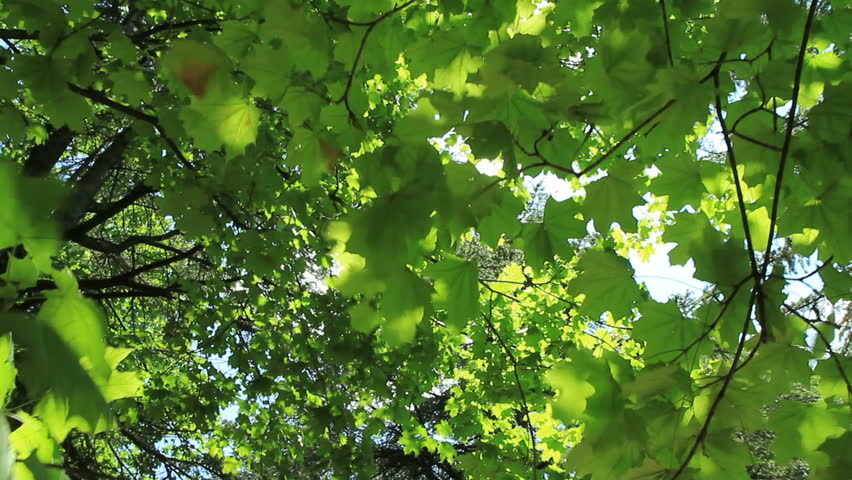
(611, 199)
(236, 38)
(281, 142)
(777, 367)
(680, 180)
(831, 382)
(199, 67)
(13, 124)
(30, 436)
(360, 10)
(722, 457)
(8, 84)
(403, 307)
(270, 77)
(456, 289)
(697, 239)
(26, 217)
(448, 57)
(355, 277)
(542, 242)
(46, 78)
(229, 121)
(69, 376)
(758, 221)
(364, 318)
(424, 122)
(7, 454)
(132, 85)
(607, 282)
(307, 152)
(301, 106)
(80, 325)
(7, 368)
(23, 273)
(833, 461)
(667, 333)
(801, 429)
(573, 390)
(621, 66)
(838, 284)
(304, 38)
(652, 382)
(578, 17)
(503, 219)
(120, 384)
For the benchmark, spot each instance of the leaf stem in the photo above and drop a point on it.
(666, 31)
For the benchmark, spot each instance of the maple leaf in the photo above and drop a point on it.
(607, 282)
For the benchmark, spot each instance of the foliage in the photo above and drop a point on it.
(253, 239)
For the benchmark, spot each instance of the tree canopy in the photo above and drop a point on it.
(262, 239)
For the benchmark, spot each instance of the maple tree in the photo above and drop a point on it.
(255, 239)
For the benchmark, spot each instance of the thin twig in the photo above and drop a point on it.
(749, 113)
(809, 275)
(590, 167)
(756, 141)
(626, 138)
(725, 305)
(376, 20)
(719, 396)
(497, 292)
(757, 290)
(371, 25)
(788, 135)
(514, 362)
(828, 348)
(174, 25)
(732, 161)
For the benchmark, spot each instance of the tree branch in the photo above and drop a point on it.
(84, 192)
(526, 406)
(43, 157)
(626, 138)
(788, 135)
(152, 266)
(140, 291)
(101, 98)
(344, 98)
(755, 141)
(725, 305)
(732, 161)
(809, 275)
(126, 279)
(17, 34)
(105, 246)
(109, 210)
(719, 396)
(174, 25)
